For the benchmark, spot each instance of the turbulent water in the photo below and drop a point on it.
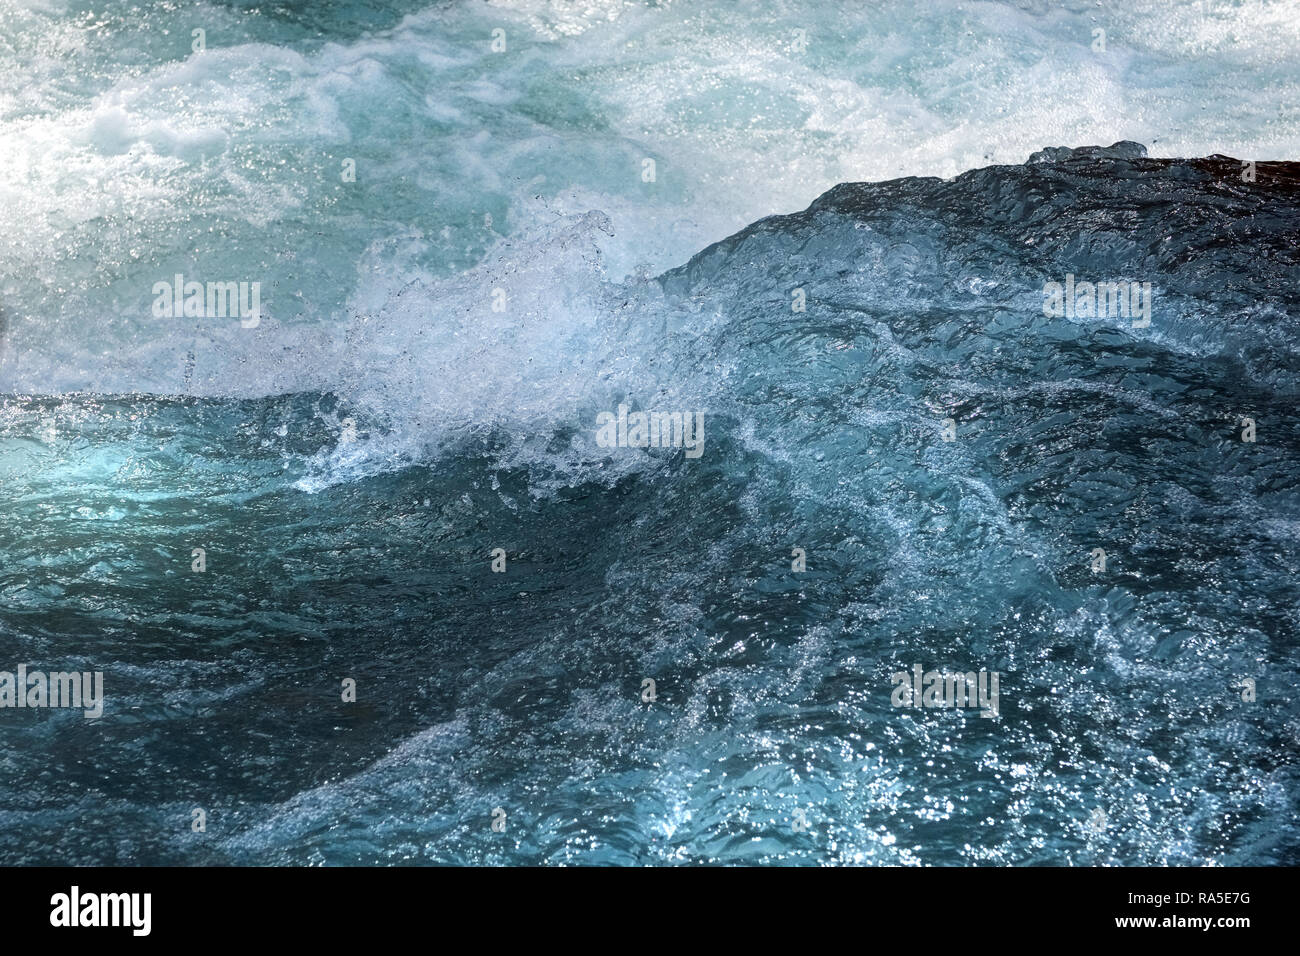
(881, 388)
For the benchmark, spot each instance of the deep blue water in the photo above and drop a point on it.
(350, 465)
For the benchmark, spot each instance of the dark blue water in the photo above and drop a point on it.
(349, 532)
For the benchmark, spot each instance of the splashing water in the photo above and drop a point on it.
(349, 464)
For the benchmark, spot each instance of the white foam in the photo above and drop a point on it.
(225, 164)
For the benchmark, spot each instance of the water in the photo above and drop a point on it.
(350, 464)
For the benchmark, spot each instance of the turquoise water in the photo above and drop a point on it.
(350, 464)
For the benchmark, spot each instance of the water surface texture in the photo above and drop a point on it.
(839, 263)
